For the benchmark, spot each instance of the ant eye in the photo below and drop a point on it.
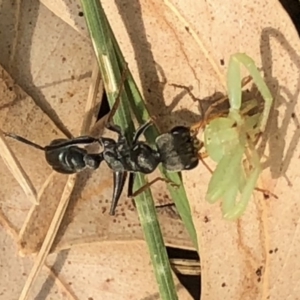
(193, 132)
(197, 144)
(192, 165)
(180, 130)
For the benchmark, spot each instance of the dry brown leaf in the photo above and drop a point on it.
(15, 269)
(110, 271)
(186, 42)
(19, 114)
(37, 49)
(37, 222)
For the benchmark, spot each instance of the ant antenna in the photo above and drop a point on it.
(23, 140)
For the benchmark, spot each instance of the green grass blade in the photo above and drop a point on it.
(110, 67)
(153, 236)
(106, 56)
(178, 194)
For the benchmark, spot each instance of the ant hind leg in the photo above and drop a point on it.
(148, 185)
(267, 194)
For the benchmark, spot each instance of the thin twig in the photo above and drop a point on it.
(50, 236)
(4, 222)
(64, 201)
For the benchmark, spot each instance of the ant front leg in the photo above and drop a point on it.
(141, 130)
(117, 129)
(194, 98)
(109, 124)
(118, 98)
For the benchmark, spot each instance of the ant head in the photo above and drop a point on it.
(177, 149)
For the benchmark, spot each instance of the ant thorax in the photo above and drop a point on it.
(120, 156)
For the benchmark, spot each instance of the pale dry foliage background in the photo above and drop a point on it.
(48, 56)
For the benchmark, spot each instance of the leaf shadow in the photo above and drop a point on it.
(278, 160)
(17, 33)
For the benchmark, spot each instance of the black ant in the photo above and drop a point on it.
(176, 150)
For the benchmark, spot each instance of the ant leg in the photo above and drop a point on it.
(118, 98)
(194, 98)
(117, 129)
(246, 80)
(148, 184)
(205, 116)
(195, 127)
(119, 181)
(141, 130)
(130, 185)
(206, 119)
(266, 193)
(109, 123)
(188, 91)
(201, 157)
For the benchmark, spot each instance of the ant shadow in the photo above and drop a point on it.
(279, 161)
(182, 116)
(143, 53)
